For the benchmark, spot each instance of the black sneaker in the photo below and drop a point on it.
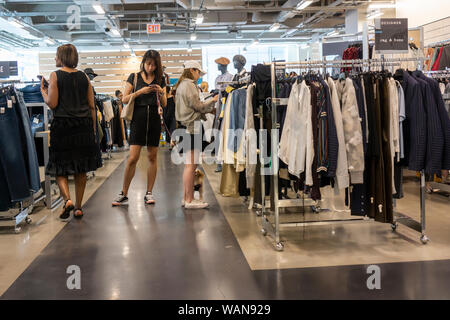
(120, 200)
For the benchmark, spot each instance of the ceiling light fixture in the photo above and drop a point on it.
(115, 32)
(255, 42)
(193, 36)
(49, 41)
(126, 45)
(274, 27)
(189, 48)
(16, 23)
(98, 8)
(374, 14)
(382, 5)
(303, 4)
(332, 33)
(199, 19)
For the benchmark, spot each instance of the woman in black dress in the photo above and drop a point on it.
(73, 149)
(145, 129)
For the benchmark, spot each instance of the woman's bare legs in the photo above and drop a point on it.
(80, 186)
(152, 153)
(188, 176)
(130, 169)
(63, 185)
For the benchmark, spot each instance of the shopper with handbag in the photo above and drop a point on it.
(144, 97)
(73, 149)
(189, 110)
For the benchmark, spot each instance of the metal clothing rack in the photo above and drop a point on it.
(274, 229)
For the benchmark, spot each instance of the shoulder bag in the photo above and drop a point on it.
(127, 111)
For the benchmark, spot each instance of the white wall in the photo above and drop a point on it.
(420, 12)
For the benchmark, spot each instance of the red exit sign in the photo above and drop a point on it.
(153, 28)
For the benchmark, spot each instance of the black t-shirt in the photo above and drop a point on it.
(145, 99)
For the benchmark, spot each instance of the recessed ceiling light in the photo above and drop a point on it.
(199, 19)
(274, 27)
(193, 36)
(303, 4)
(98, 8)
(16, 23)
(115, 32)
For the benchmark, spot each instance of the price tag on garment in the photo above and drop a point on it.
(9, 104)
(36, 120)
(2, 110)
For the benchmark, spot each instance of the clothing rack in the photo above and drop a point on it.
(274, 229)
(243, 80)
(438, 43)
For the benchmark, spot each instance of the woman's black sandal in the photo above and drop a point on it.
(65, 216)
(78, 215)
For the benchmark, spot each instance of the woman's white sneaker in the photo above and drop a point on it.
(196, 204)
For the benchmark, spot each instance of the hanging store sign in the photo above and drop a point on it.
(4, 69)
(391, 35)
(153, 28)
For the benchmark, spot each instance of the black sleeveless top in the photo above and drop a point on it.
(149, 98)
(72, 95)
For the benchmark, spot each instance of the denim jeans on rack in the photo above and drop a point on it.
(32, 93)
(28, 145)
(12, 162)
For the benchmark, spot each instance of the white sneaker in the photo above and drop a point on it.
(182, 203)
(196, 204)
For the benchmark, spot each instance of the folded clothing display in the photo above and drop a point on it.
(32, 93)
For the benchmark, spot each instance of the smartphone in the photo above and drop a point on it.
(45, 81)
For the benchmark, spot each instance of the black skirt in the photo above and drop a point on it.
(145, 128)
(73, 148)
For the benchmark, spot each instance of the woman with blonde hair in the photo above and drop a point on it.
(189, 109)
(73, 149)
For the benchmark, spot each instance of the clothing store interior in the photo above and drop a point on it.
(324, 156)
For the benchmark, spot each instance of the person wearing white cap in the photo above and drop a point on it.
(189, 109)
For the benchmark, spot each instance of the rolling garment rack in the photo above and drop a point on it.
(273, 229)
(15, 216)
(441, 74)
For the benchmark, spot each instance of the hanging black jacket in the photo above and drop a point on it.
(415, 124)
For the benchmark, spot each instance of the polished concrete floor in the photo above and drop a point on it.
(166, 252)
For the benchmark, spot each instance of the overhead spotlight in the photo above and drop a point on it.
(385, 5)
(332, 33)
(115, 32)
(98, 8)
(374, 14)
(193, 36)
(274, 27)
(245, 49)
(199, 19)
(126, 45)
(16, 23)
(239, 34)
(133, 54)
(303, 4)
(49, 41)
(255, 42)
(189, 49)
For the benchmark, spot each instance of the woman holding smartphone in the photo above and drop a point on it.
(145, 130)
(189, 110)
(73, 149)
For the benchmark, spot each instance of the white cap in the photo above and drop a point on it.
(192, 64)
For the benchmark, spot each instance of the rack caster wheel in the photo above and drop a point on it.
(264, 232)
(17, 230)
(279, 246)
(424, 239)
(394, 226)
(28, 220)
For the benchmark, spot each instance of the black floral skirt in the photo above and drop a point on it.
(73, 147)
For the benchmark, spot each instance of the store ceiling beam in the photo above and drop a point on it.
(194, 11)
